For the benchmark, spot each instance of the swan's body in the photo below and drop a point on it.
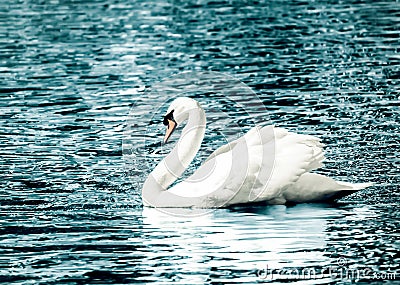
(267, 164)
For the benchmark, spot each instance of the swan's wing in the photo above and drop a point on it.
(295, 154)
(229, 146)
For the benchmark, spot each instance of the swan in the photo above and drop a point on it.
(268, 164)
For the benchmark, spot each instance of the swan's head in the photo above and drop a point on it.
(177, 113)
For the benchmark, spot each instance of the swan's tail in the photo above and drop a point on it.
(313, 187)
(350, 189)
(354, 186)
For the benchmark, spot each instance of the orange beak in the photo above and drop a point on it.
(170, 129)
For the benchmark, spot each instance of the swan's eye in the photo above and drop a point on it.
(167, 117)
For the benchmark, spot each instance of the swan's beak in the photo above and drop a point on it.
(170, 129)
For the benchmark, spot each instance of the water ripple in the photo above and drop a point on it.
(70, 205)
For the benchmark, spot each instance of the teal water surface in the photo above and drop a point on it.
(75, 74)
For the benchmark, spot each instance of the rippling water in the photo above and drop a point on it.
(72, 72)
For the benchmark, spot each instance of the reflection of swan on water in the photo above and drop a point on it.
(241, 238)
(266, 164)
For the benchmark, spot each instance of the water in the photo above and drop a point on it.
(71, 71)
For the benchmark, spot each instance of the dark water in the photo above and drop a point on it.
(71, 71)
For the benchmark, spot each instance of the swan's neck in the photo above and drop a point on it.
(175, 163)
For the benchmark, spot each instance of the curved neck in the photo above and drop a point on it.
(176, 162)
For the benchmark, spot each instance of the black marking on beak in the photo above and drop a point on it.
(169, 116)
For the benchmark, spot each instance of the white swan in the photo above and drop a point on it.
(266, 164)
